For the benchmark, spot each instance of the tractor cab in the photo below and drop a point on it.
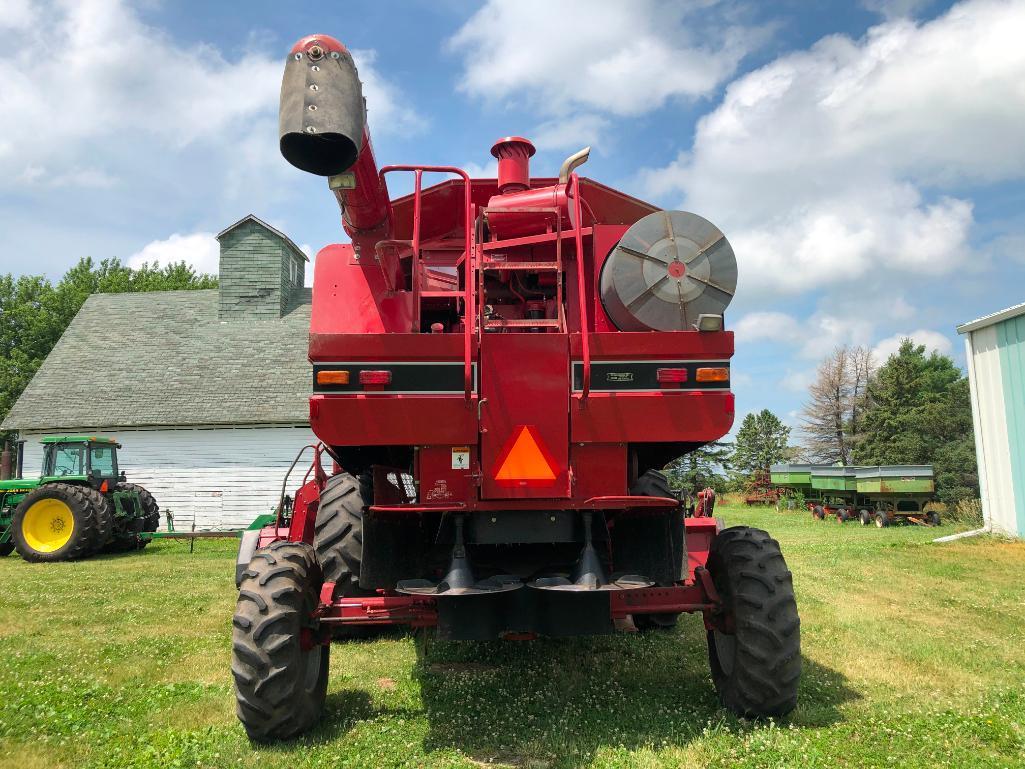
(83, 459)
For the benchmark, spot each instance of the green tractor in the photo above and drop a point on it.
(81, 505)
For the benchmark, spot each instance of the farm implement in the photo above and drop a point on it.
(882, 496)
(81, 505)
(500, 368)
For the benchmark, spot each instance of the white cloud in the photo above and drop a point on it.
(604, 55)
(95, 82)
(811, 338)
(572, 132)
(758, 326)
(933, 341)
(829, 165)
(199, 249)
(388, 108)
(488, 170)
(895, 9)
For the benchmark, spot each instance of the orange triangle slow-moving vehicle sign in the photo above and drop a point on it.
(524, 461)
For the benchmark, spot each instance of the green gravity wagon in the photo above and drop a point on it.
(882, 495)
(81, 505)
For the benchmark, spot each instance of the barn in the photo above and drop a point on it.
(995, 352)
(205, 390)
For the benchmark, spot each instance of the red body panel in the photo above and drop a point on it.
(639, 417)
(381, 419)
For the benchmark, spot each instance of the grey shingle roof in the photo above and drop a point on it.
(164, 358)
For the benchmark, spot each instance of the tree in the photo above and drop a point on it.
(831, 419)
(761, 442)
(34, 312)
(701, 468)
(920, 413)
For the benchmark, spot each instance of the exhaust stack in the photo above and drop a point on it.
(322, 127)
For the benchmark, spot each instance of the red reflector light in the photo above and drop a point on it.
(374, 377)
(713, 375)
(671, 375)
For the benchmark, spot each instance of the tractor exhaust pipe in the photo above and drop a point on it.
(322, 127)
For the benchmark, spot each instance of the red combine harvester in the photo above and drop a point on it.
(500, 368)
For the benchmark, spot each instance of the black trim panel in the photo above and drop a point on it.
(634, 375)
(428, 378)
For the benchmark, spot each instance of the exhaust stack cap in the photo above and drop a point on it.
(513, 153)
(322, 117)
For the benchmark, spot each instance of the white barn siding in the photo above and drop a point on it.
(219, 478)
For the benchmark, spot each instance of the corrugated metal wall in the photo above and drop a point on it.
(219, 478)
(1011, 340)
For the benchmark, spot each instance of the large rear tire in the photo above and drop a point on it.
(756, 666)
(279, 686)
(338, 537)
(655, 484)
(104, 517)
(125, 541)
(55, 522)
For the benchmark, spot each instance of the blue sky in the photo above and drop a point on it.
(865, 160)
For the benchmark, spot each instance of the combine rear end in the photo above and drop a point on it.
(500, 368)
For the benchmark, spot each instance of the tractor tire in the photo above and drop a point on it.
(6, 549)
(818, 513)
(104, 517)
(864, 518)
(44, 514)
(934, 518)
(756, 667)
(150, 521)
(655, 621)
(338, 537)
(881, 521)
(654, 484)
(279, 686)
(841, 515)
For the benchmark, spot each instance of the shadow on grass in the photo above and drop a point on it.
(557, 702)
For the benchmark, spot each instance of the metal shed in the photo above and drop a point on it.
(995, 352)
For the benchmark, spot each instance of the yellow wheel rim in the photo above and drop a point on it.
(48, 525)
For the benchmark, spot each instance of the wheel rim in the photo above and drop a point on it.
(725, 651)
(48, 525)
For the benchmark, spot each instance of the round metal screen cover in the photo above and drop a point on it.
(669, 268)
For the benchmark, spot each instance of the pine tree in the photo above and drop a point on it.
(920, 413)
(706, 466)
(761, 442)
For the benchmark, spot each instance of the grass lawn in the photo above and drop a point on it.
(914, 655)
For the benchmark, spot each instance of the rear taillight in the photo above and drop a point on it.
(671, 375)
(374, 377)
(712, 375)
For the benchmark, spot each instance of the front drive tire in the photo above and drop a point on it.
(130, 540)
(756, 668)
(279, 686)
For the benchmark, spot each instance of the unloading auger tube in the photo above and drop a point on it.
(500, 369)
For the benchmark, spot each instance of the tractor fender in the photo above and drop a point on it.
(246, 547)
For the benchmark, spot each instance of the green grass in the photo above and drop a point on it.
(914, 655)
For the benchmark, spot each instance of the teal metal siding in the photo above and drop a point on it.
(1011, 341)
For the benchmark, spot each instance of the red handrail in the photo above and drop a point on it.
(578, 237)
(469, 326)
